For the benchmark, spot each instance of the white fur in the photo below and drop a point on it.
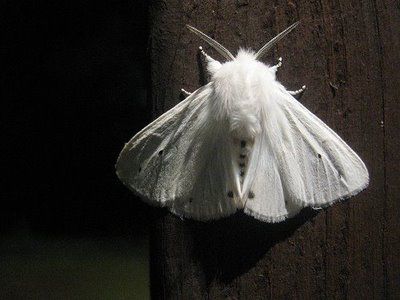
(240, 142)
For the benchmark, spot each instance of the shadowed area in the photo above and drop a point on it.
(235, 244)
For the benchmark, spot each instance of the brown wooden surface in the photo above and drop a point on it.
(350, 250)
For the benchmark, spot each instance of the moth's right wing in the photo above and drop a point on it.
(300, 162)
(318, 166)
(264, 193)
(330, 170)
(182, 161)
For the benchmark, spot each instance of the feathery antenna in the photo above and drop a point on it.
(276, 39)
(213, 43)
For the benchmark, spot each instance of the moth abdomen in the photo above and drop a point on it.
(241, 152)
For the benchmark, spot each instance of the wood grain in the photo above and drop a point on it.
(347, 53)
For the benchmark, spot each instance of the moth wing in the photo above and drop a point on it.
(299, 162)
(318, 167)
(263, 189)
(182, 161)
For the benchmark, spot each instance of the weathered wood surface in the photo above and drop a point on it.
(347, 53)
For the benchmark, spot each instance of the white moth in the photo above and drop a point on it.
(241, 142)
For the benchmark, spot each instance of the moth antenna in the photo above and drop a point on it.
(213, 43)
(276, 39)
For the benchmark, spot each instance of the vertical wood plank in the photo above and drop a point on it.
(388, 20)
(346, 54)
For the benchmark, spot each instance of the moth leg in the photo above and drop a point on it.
(278, 65)
(207, 57)
(185, 92)
(298, 92)
(212, 64)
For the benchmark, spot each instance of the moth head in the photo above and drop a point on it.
(228, 55)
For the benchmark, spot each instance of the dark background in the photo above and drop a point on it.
(74, 83)
(73, 86)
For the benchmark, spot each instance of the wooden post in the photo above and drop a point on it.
(347, 53)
